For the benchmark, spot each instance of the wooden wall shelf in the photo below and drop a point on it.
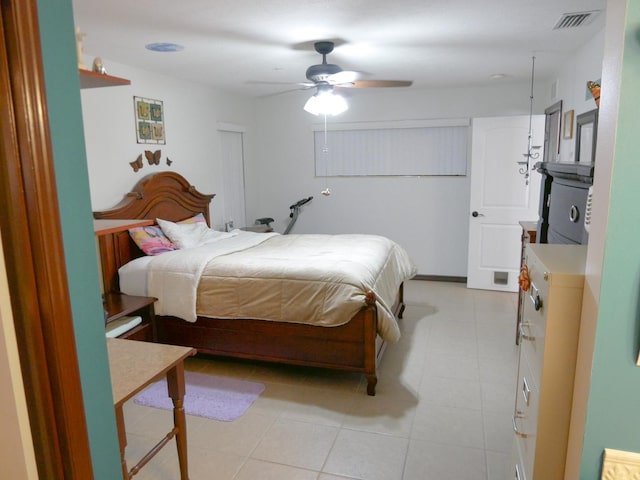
(89, 79)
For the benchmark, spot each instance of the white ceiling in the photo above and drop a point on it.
(229, 44)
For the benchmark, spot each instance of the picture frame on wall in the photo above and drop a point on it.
(567, 125)
(552, 132)
(586, 137)
(149, 116)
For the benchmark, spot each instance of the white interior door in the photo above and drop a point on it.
(233, 206)
(500, 198)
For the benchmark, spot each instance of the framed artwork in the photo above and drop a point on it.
(149, 116)
(567, 125)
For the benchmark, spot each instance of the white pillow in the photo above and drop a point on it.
(189, 235)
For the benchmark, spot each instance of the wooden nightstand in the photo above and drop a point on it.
(118, 305)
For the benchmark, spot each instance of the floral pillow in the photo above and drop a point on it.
(152, 240)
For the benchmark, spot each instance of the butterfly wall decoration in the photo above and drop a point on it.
(152, 157)
(137, 164)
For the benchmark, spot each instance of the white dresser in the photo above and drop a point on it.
(546, 370)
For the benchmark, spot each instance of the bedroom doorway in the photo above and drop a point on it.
(500, 198)
(43, 362)
(232, 157)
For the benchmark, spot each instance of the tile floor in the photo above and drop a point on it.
(442, 410)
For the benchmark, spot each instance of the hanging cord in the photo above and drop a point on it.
(325, 147)
(526, 168)
(533, 69)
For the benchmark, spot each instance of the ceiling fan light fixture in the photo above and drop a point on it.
(326, 102)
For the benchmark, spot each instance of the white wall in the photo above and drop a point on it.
(192, 140)
(427, 215)
(584, 65)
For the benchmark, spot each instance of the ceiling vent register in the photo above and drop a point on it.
(573, 20)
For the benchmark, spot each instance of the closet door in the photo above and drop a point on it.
(232, 154)
(500, 197)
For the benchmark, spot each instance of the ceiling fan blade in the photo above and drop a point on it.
(289, 90)
(301, 84)
(345, 76)
(379, 83)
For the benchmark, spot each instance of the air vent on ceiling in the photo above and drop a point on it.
(578, 19)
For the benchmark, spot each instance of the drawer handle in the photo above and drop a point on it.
(515, 427)
(518, 475)
(535, 298)
(526, 391)
(523, 336)
(574, 214)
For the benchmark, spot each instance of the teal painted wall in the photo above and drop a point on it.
(613, 415)
(65, 120)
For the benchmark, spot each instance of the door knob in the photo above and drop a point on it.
(476, 214)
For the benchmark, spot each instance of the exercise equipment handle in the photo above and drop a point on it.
(300, 203)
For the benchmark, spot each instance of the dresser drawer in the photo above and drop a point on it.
(518, 471)
(566, 212)
(525, 417)
(527, 401)
(533, 331)
(533, 327)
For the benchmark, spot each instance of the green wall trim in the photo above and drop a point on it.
(72, 179)
(613, 416)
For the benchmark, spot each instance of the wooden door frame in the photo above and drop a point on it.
(34, 254)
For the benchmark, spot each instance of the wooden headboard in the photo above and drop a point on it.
(165, 195)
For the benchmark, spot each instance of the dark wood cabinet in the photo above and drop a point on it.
(117, 305)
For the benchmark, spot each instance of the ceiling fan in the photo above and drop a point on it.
(327, 75)
(331, 74)
(324, 77)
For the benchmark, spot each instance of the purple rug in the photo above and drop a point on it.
(219, 398)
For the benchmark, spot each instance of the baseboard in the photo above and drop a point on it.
(440, 278)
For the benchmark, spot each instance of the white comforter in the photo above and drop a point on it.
(319, 279)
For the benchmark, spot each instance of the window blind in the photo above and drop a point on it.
(403, 151)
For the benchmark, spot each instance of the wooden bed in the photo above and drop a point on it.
(354, 346)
